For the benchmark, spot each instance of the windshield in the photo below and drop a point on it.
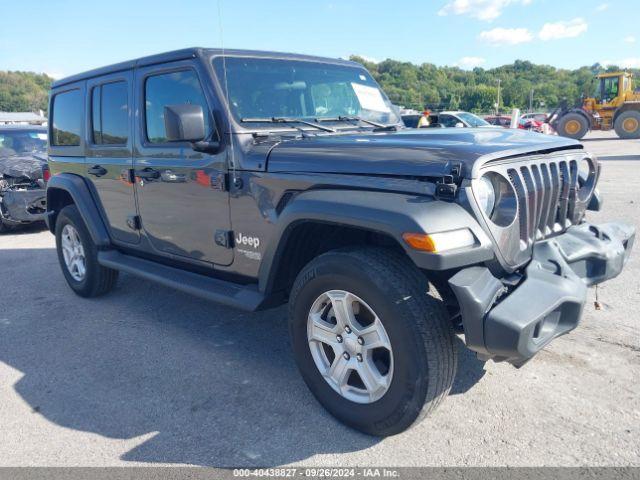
(267, 88)
(20, 142)
(473, 120)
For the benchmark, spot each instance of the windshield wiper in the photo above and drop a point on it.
(287, 120)
(344, 118)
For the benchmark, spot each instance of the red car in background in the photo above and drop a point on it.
(532, 121)
(499, 120)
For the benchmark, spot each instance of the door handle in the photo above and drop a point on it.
(148, 173)
(97, 170)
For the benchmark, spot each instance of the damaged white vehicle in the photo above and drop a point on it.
(23, 175)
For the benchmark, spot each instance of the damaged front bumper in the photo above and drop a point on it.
(23, 206)
(513, 324)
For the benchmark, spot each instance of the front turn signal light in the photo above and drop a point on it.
(441, 241)
(419, 241)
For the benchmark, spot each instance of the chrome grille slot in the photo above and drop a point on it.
(518, 186)
(565, 187)
(543, 224)
(531, 203)
(555, 195)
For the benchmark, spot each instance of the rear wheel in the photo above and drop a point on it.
(573, 125)
(374, 347)
(78, 256)
(627, 125)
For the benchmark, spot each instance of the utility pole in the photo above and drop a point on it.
(531, 101)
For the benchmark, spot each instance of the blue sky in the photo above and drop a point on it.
(62, 37)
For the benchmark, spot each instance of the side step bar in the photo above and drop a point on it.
(244, 297)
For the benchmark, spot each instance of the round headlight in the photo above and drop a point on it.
(486, 195)
(497, 198)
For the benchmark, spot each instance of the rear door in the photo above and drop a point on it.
(181, 199)
(109, 156)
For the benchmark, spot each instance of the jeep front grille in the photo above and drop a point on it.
(546, 193)
(549, 200)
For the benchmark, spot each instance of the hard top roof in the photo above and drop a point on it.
(191, 53)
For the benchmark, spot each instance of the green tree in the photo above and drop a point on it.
(24, 91)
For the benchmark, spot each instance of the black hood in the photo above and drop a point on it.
(24, 165)
(414, 152)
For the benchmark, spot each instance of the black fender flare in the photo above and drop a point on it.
(79, 191)
(383, 212)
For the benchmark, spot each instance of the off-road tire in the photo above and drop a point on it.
(573, 125)
(627, 125)
(98, 280)
(417, 323)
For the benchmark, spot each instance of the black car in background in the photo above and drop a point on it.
(23, 172)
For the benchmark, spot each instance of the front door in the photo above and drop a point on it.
(181, 199)
(109, 158)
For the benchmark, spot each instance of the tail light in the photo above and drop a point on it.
(46, 174)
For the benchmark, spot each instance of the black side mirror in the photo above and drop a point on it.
(184, 123)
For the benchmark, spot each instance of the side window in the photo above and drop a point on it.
(173, 88)
(448, 120)
(110, 114)
(611, 88)
(67, 118)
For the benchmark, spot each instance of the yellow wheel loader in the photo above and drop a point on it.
(615, 106)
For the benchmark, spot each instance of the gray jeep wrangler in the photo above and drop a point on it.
(253, 179)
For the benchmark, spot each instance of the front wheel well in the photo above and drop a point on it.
(306, 240)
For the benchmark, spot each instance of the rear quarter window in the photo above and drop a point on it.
(67, 118)
(110, 114)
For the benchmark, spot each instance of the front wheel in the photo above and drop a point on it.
(374, 347)
(627, 125)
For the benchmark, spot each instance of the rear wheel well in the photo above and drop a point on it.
(307, 240)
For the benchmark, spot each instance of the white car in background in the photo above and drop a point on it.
(457, 119)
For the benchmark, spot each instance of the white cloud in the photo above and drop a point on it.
(363, 57)
(632, 62)
(468, 63)
(506, 36)
(55, 75)
(570, 29)
(369, 59)
(630, 39)
(602, 7)
(480, 9)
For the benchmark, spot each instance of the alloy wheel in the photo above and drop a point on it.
(350, 346)
(73, 253)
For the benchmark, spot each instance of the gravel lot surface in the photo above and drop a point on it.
(150, 376)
